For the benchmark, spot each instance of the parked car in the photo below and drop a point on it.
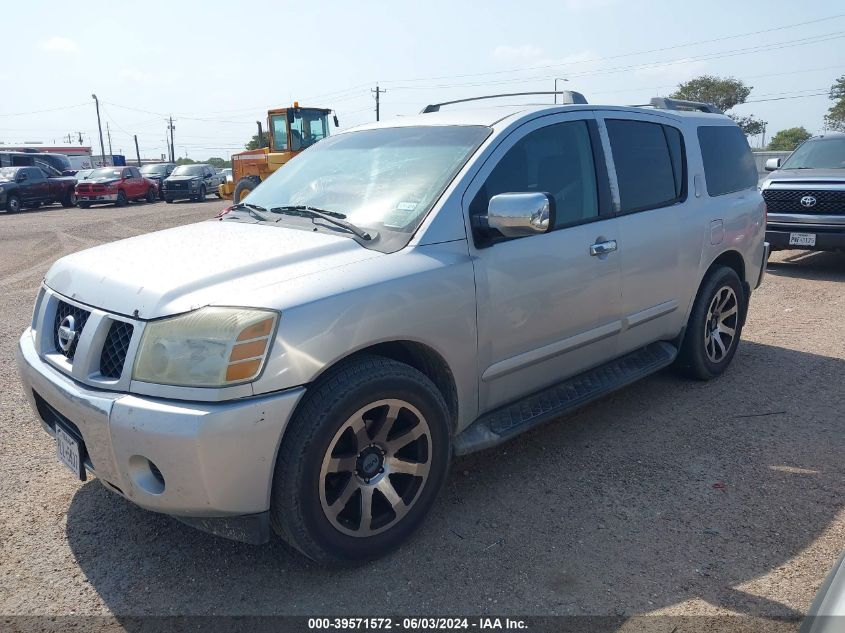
(398, 293)
(116, 185)
(805, 196)
(227, 172)
(59, 162)
(158, 172)
(30, 187)
(193, 182)
(827, 612)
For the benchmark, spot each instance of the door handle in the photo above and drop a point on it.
(602, 248)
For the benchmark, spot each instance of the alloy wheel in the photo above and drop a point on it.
(721, 324)
(375, 467)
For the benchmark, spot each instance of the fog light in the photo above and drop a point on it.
(146, 475)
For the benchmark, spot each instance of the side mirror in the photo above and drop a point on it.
(336, 124)
(773, 164)
(521, 214)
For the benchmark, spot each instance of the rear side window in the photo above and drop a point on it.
(649, 163)
(728, 163)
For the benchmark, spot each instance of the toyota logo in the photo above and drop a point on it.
(67, 333)
(808, 201)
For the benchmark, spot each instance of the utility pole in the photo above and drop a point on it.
(377, 92)
(557, 79)
(763, 146)
(172, 146)
(100, 127)
(67, 139)
(137, 151)
(80, 137)
(108, 133)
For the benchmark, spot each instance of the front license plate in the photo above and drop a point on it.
(67, 449)
(802, 239)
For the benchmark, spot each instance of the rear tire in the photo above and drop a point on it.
(69, 199)
(168, 201)
(715, 325)
(84, 205)
(370, 439)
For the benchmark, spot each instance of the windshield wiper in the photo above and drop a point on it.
(333, 217)
(255, 210)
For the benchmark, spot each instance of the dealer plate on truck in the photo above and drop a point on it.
(67, 449)
(802, 239)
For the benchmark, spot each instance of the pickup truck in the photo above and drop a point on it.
(116, 185)
(31, 187)
(193, 182)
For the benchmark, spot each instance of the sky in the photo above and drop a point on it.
(216, 67)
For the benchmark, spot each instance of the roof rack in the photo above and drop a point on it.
(664, 103)
(569, 97)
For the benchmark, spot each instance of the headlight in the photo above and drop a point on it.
(211, 347)
(195, 184)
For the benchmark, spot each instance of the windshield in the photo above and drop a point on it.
(385, 179)
(154, 169)
(8, 173)
(82, 174)
(279, 126)
(106, 172)
(187, 170)
(821, 153)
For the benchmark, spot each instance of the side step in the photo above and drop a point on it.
(510, 420)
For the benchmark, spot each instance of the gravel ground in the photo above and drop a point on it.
(669, 497)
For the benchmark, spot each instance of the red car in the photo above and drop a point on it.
(115, 184)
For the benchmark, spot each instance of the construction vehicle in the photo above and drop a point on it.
(289, 131)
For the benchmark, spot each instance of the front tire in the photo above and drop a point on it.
(361, 462)
(715, 325)
(243, 189)
(151, 195)
(122, 200)
(203, 194)
(84, 205)
(13, 204)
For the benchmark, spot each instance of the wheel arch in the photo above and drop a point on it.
(421, 357)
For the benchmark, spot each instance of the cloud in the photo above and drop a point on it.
(58, 45)
(523, 53)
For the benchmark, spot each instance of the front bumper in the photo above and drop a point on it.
(96, 197)
(216, 460)
(827, 238)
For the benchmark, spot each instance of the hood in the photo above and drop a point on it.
(806, 174)
(184, 268)
(182, 178)
(102, 180)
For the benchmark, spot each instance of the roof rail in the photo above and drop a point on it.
(569, 97)
(664, 103)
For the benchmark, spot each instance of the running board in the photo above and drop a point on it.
(510, 420)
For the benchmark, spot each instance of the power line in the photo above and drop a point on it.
(630, 54)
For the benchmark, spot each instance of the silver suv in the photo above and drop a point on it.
(805, 196)
(311, 359)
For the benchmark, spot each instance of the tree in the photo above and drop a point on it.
(835, 117)
(185, 161)
(787, 140)
(725, 93)
(217, 162)
(255, 143)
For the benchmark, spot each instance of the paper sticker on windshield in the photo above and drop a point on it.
(401, 216)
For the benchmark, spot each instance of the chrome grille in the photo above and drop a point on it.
(114, 351)
(80, 317)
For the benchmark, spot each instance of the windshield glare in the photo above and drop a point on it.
(8, 173)
(106, 172)
(187, 170)
(385, 179)
(822, 153)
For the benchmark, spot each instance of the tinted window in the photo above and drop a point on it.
(558, 160)
(645, 168)
(33, 173)
(728, 163)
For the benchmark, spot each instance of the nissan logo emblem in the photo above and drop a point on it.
(67, 333)
(808, 201)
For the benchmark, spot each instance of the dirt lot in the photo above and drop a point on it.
(667, 497)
